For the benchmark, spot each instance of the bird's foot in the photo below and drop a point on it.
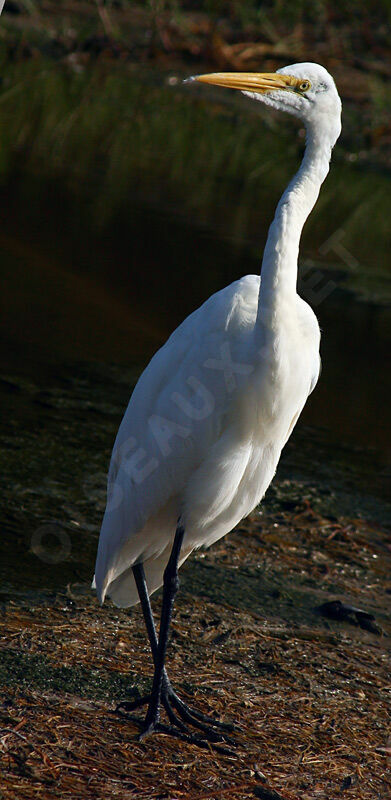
(180, 716)
(194, 717)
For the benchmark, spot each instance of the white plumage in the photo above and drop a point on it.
(204, 428)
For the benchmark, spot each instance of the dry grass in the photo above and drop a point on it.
(311, 700)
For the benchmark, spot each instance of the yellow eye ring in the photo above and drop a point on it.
(304, 86)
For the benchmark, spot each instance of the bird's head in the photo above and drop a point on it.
(305, 90)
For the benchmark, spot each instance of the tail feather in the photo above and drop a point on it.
(123, 590)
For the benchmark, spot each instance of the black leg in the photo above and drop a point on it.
(139, 577)
(141, 584)
(162, 691)
(170, 588)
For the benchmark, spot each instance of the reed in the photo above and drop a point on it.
(113, 136)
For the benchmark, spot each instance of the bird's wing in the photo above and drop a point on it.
(175, 414)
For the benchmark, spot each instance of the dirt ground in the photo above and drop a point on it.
(309, 695)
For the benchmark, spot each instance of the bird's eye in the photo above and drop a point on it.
(304, 86)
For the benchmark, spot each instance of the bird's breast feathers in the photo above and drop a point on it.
(206, 422)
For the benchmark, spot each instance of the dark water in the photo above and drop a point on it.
(81, 316)
(68, 296)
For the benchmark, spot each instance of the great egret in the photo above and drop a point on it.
(209, 416)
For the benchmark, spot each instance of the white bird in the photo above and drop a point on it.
(204, 429)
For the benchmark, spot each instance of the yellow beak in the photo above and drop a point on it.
(260, 82)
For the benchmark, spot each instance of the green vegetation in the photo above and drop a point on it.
(36, 672)
(112, 136)
(109, 133)
(253, 11)
(93, 102)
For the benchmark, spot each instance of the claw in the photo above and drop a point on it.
(152, 727)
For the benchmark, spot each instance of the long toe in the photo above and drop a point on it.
(128, 706)
(172, 716)
(182, 714)
(180, 705)
(194, 717)
(200, 741)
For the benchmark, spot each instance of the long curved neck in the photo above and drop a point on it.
(279, 265)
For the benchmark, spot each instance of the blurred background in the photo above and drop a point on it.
(128, 197)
